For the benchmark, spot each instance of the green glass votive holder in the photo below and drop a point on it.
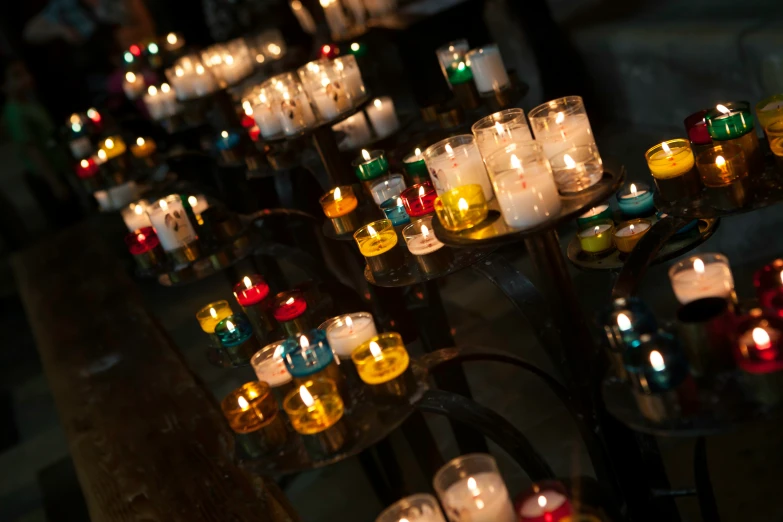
(732, 122)
(235, 334)
(369, 166)
(593, 216)
(415, 167)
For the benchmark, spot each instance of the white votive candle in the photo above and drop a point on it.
(561, 124)
(135, 215)
(382, 116)
(269, 365)
(455, 162)
(171, 223)
(594, 211)
(346, 332)
(488, 69)
(479, 498)
(387, 187)
(705, 275)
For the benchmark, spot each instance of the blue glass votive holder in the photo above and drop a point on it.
(308, 356)
(628, 319)
(395, 211)
(636, 200)
(657, 364)
(684, 230)
(227, 140)
(236, 337)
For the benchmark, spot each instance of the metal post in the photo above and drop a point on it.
(326, 145)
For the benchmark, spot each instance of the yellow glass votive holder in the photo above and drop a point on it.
(724, 172)
(462, 208)
(775, 135)
(143, 148)
(671, 165)
(378, 244)
(316, 410)
(339, 205)
(381, 362)
(598, 238)
(628, 233)
(769, 110)
(252, 408)
(209, 317)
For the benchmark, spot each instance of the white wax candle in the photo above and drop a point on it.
(595, 231)
(532, 507)
(135, 216)
(462, 166)
(348, 332)
(388, 188)
(715, 281)
(633, 194)
(573, 131)
(352, 77)
(171, 223)
(424, 244)
(594, 211)
(632, 230)
(124, 194)
(527, 199)
(272, 370)
(479, 498)
(356, 130)
(266, 119)
(488, 69)
(382, 116)
(295, 113)
(331, 99)
(500, 136)
(335, 18)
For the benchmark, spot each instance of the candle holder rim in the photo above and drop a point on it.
(408, 502)
(735, 106)
(530, 148)
(408, 231)
(705, 257)
(488, 122)
(598, 223)
(557, 160)
(204, 310)
(324, 326)
(537, 112)
(458, 464)
(382, 224)
(732, 151)
(434, 150)
(308, 384)
(659, 146)
(375, 155)
(262, 355)
(265, 391)
(635, 221)
(344, 190)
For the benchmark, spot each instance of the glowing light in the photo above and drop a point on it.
(230, 326)
(199, 69)
(179, 72)
(541, 500)
(425, 232)
(290, 301)
(229, 59)
(461, 66)
(377, 103)
(597, 230)
(296, 5)
(274, 49)
(326, 48)
(698, 266)
(371, 231)
(720, 162)
(325, 81)
(633, 189)
(192, 201)
(449, 150)
(307, 399)
(421, 191)
(102, 155)
(84, 164)
(140, 142)
(224, 134)
(354, 47)
(260, 58)
(375, 351)
(560, 118)
(109, 143)
(338, 195)
(128, 57)
(656, 361)
(163, 204)
(462, 205)
(417, 152)
(722, 108)
(570, 163)
(623, 322)
(135, 50)
(138, 209)
(152, 48)
(365, 155)
(76, 127)
(141, 238)
(399, 202)
(152, 90)
(93, 115)
(515, 163)
(348, 322)
(631, 229)
(499, 128)
(171, 38)
(243, 404)
(213, 313)
(666, 148)
(248, 282)
(130, 77)
(761, 338)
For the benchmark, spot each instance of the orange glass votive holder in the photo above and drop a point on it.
(775, 135)
(339, 205)
(724, 171)
(316, 410)
(252, 409)
(628, 233)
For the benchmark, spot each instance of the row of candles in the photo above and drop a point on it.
(306, 375)
(343, 20)
(713, 336)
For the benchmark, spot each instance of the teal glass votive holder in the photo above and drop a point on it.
(636, 200)
(395, 211)
(308, 356)
(657, 365)
(370, 165)
(236, 337)
(593, 216)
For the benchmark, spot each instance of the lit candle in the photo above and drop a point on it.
(498, 130)
(370, 165)
(209, 317)
(113, 147)
(429, 252)
(597, 239)
(524, 185)
(292, 104)
(330, 97)
(760, 355)
(346, 332)
(636, 200)
(250, 407)
(263, 114)
(732, 122)
(339, 204)
(415, 508)
(314, 407)
(416, 167)
(489, 71)
(705, 275)
(382, 116)
(656, 365)
(461, 208)
(671, 164)
(595, 214)
(394, 209)
(577, 168)
(561, 124)
(171, 223)
(545, 502)
(235, 334)
(143, 148)
(454, 63)
(133, 85)
(629, 233)
(455, 162)
(87, 168)
(419, 200)
(377, 242)
(290, 310)
(470, 488)
(388, 187)
(270, 368)
(696, 127)
(144, 246)
(381, 358)
(135, 215)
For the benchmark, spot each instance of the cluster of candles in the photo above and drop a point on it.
(161, 102)
(713, 336)
(80, 127)
(482, 66)
(343, 20)
(357, 131)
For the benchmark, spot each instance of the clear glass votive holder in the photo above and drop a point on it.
(316, 411)
(432, 256)
(577, 169)
(455, 162)
(700, 276)
(561, 124)
(292, 106)
(499, 130)
(733, 122)
(415, 508)
(269, 366)
(377, 242)
(324, 85)
(387, 187)
(352, 75)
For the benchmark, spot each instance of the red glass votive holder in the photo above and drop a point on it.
(545, 501)
(419, 199)
(145, 248)
(768, 281)
(290, 310)
(760, 355)
(696, 127)
(86, 168)
(251, 293)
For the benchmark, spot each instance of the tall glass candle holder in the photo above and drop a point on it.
(489, 71)
(419, 200)
(702, 275)
(394, 210)
(671, 165)
(636, 200)
(455, 162)
(462, 208)
(499, 130)
(416, 167)
(309, 356)
(369, 166)
(524, 184)
(209, 317)
(380, 362)
(133, 85)
(339, 205)
(577, 169)
(415, 508)
(325, 87)
(352, 75)
(292, 105)
(175, 231)
(229, 62)
(629, 233)
(432, 256)
(598, 238)
(769, 110)
(270, 368)
(252, 294)
(768, 282)
(235, 334)
(346, 332)
(760, 355)
(135, 215)
(290, 311)
(316, 411)
(470, 488)
(696, 127)
(264, 103)
(454, 63)
(732, 122)
(387, 187)
(383, 117)
(561, 124)
(724, 172)
(377, 242)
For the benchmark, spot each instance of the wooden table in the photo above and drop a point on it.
(147, 438)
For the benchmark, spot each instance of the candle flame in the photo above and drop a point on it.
(371, 231)
(666, 148)
(399, 202)
(462, 205)
(307, 399)
(720, 162)
(75, 119)
(348, 322)
(229, 59)
(303, 342)
(338, 195)
(421, 191)
(130, 77)
(102, 154)
(140, 142)
(631, 229)
(633, 189)
(171, 38)
(656, 361)
(515, 163)
(290, 301)
(560, 118)
(279, 351)
(152, 90)
(212, 312)
(722, 108)
(461, 66)
(541, 500)
(425, 232)
(163, 204)
(224, 134)
(375, 351)
(138, 209)
(141, 238)
(296, 5)
(230, 326)
(199, 69)
(262, 97)
(109, 143)
(325, 81)
(377, 103)
(164, 87)
(248, 282)
(354, 47)
(179, 72)
(417, 152)
(243, 404)
(761, 338)
(192, 200)
(698, 266)
(473, 486)
(499, 128)
(365, 155)
(84, 163)
(623, 322)
(248, 108)
(570, 163)
(449, 150)
(597, 229)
